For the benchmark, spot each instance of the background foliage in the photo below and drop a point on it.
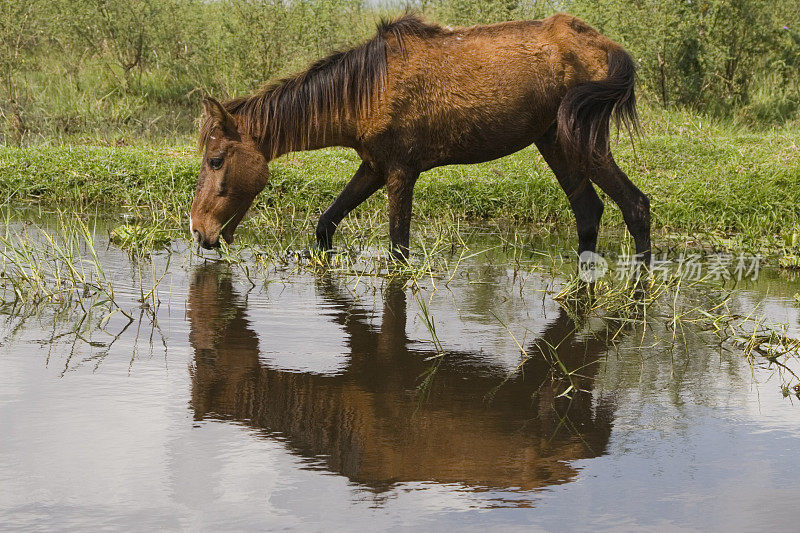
(137, 68)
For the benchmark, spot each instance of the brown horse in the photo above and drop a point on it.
(417, 96)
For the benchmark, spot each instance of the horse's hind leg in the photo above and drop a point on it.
(633, 203)
(586, 205)
(360, 187)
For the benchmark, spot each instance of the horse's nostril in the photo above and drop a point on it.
(208, 245)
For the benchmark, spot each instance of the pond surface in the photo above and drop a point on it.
(280, 398)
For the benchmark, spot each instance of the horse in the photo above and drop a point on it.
(417, 96)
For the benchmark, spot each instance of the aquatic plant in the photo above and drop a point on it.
(56, 269)
(140, 237)
(674, 303)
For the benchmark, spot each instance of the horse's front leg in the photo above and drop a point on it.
(400, 191)
(360, 187)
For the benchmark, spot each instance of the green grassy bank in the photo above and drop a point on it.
(710, 185)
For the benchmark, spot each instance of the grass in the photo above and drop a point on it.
(656, 313)
(663, 313)
(710, 185)
(54, 278)
(137, 237)
(57, 267)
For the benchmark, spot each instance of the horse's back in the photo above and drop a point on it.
(478, 93)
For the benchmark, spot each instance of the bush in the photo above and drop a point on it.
(116, 68)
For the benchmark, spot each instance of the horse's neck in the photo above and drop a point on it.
(332, 131)
(326, 131)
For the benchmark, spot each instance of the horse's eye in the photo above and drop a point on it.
(215, 163)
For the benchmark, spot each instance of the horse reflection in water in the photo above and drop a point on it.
(368, 423)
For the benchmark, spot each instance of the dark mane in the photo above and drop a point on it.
(283, 115)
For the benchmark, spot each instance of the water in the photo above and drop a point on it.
(272, 399)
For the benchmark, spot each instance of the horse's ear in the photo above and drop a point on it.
(215, 112)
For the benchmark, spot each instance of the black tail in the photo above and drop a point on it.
(585, 111)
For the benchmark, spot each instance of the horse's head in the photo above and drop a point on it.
(234, 171)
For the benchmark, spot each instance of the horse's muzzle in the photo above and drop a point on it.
(208, 245)
(203, 240)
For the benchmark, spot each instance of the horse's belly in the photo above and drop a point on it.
(477, 140)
